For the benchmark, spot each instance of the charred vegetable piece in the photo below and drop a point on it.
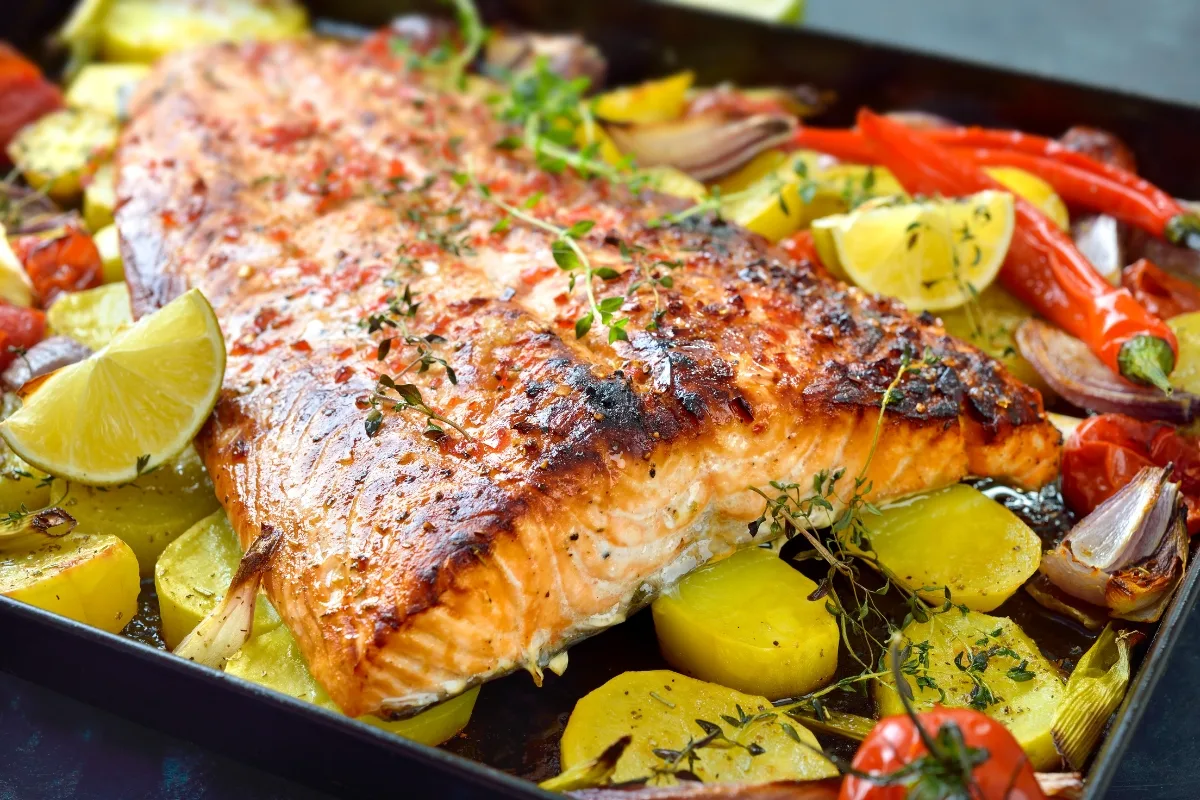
(746, 622)
(61, 260)
(143, 30)
(273, 659)
(704, 147)
(25, 95)
(108, 244)
(92, 316)
(1094, 691)
(734, 737)
(91, 578)
(106, 88)
(987, 663)
(149, 513)
(193, 574)
(56, 152)
(957, 539)
(653, 101)
(50, 354)
(99, 199)
(1130, 553)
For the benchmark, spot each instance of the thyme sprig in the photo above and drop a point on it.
(681, 763)
(406, 397)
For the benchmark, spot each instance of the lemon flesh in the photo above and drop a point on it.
(132, 405)
(1035, 190)
(931, 256)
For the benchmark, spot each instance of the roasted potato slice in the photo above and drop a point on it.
(274, 660)
(149, 513)
(55, 152)
(108, 243)
(193, 574)
(977, 661)
(92, 578)
(143, 30)
(958, 539)
(105, 88)
(92, 316)
(653, 101)
(663, 710)
(745, 622)
(100, 198)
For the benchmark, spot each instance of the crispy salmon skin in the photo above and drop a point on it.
(306, 187)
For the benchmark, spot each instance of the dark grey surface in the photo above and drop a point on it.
(1147, 47)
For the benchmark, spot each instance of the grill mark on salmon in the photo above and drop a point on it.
(594, 474)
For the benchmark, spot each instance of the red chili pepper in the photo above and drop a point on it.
(1161, 294)
(1105, 452)
(20, 329)
(843, 143)
(998, 767)
(24, 95)
(1043, 267)
(65, 261)
(1129, 199)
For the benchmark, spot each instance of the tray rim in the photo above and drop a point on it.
(458, 770)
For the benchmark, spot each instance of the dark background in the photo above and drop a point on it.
(53, 747)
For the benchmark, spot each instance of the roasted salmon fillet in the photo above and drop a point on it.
(542, 485)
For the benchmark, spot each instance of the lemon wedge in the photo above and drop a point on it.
(130, 406)
(931, 256)
(1033, 189)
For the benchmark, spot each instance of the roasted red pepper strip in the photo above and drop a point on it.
(24, 95)
(1105, 452)
(843, 143)
(1043, 267)
(1138, 203)
(1161, 294)
(896, 757)
(20, 329)
(65, 260)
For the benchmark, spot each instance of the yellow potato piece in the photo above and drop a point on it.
(765, 163)
(108, 242)
(1187, 368)
(746, 623)
(149, 513)
(92, 316)
(89, 578)
(660, 100)
(1026, 707)
(99, 199)
(669, 180)
(105, 87)
(957, 538)
(15, 286)
(54, 153)
(990, 323)
(193, 574)
(659, 710)
(143, 30)
(273, 659)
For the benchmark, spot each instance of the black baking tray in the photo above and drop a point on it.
(641, 39)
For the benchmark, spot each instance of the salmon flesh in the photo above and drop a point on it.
(326, 201)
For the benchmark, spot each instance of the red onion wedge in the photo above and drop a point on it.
(1080, 378)
(705, 147)
(43, 358)
(1130, 553)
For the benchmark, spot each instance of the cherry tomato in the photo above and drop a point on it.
(895, 743)
(24, 95)
(20, 329)
(1106, 451)
(64, 261)
(1161, 294)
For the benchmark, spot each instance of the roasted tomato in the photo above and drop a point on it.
(24, 95)
(1161, 294)
(20, 329)
(1106, 451)
(65, 260)
(900, 765)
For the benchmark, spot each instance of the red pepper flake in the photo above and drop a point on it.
(343, 374)
(302, 346)
(283, 135)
